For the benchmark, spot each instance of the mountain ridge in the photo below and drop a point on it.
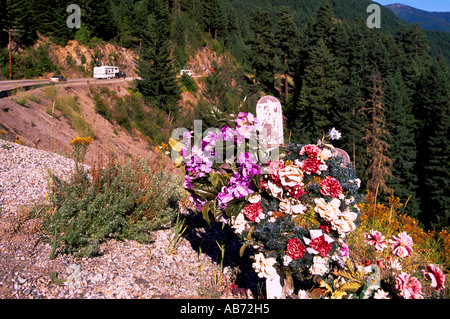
(428, 20)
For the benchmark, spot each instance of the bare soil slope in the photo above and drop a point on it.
(32, 122)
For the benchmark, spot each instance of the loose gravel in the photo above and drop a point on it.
(123, 269)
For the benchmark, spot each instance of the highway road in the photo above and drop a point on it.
(12, 84)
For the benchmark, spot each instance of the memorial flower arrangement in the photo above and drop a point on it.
(294, 210)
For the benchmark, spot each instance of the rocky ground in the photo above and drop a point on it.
(124, 269)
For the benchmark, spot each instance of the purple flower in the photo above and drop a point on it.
(247, 165)
(227, 133)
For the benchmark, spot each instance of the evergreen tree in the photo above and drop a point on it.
(321, 85)
(401, 123)
(263, 51)
(155, 65)
(22, 17)
(287, 39)
(432, 107)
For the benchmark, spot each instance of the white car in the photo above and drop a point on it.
(57, 78)
(188, 72)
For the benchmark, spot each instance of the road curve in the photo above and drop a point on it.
(13, 84)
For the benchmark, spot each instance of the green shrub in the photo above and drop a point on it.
(189, 83)
(101, 106)
(114, 200)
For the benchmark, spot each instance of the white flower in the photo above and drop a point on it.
(350, 200)
(356, 181)
(286, 260)
(291, 175)
(334, 134)
(381, 294)
(254, 198)
(264, 267)
(239, 223)
(319, 266)
(292, 206)
(303, 294)
(324, 154)
(271, 219)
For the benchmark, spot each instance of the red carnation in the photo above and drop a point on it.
(295, 248)
(330, 187)
(311, 165)
(296, 192)
(311, 149)
(252, 211)
(320, 245)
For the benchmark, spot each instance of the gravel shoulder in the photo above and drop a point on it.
(124, 269)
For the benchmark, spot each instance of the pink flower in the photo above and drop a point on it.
(295, 248)
(311, 165)
(330, 187)
(320, 245)
(252, 211)
(402, 245)
(311, 149)
(375, 238)
(436, 276)
(409, 287)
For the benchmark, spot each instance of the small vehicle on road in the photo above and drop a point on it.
(188, 72)
(120, 74)
(57, 78)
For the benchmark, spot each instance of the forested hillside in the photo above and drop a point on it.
(386, 90)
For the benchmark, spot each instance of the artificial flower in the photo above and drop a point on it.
(239, 223)
(431, 272)
(303, 294)
(334, 134)
(374, 238)
(324, 154)
(273, 189)
(286, 260)
(330, 187)
(409, 287)
(295, 192)
(292, 206)
(253, 212)
(319, 243)
(291, 175)
(328, 211)
(402, 245)
(264, 267)
(381, 294)
(311, 166)
(311, 149)
(394, 264)
(295, 248)
(319, 266)
(254, 198)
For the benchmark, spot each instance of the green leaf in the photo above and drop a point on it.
(207, 208)
(219, 180)
(351, 286)
(235, 207)
(205, 190)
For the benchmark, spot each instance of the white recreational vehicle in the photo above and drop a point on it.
(105, 72)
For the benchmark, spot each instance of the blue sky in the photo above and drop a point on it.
(427, 5)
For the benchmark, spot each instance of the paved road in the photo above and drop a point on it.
(8, 85)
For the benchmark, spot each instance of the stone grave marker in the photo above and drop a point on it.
(269, 114)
